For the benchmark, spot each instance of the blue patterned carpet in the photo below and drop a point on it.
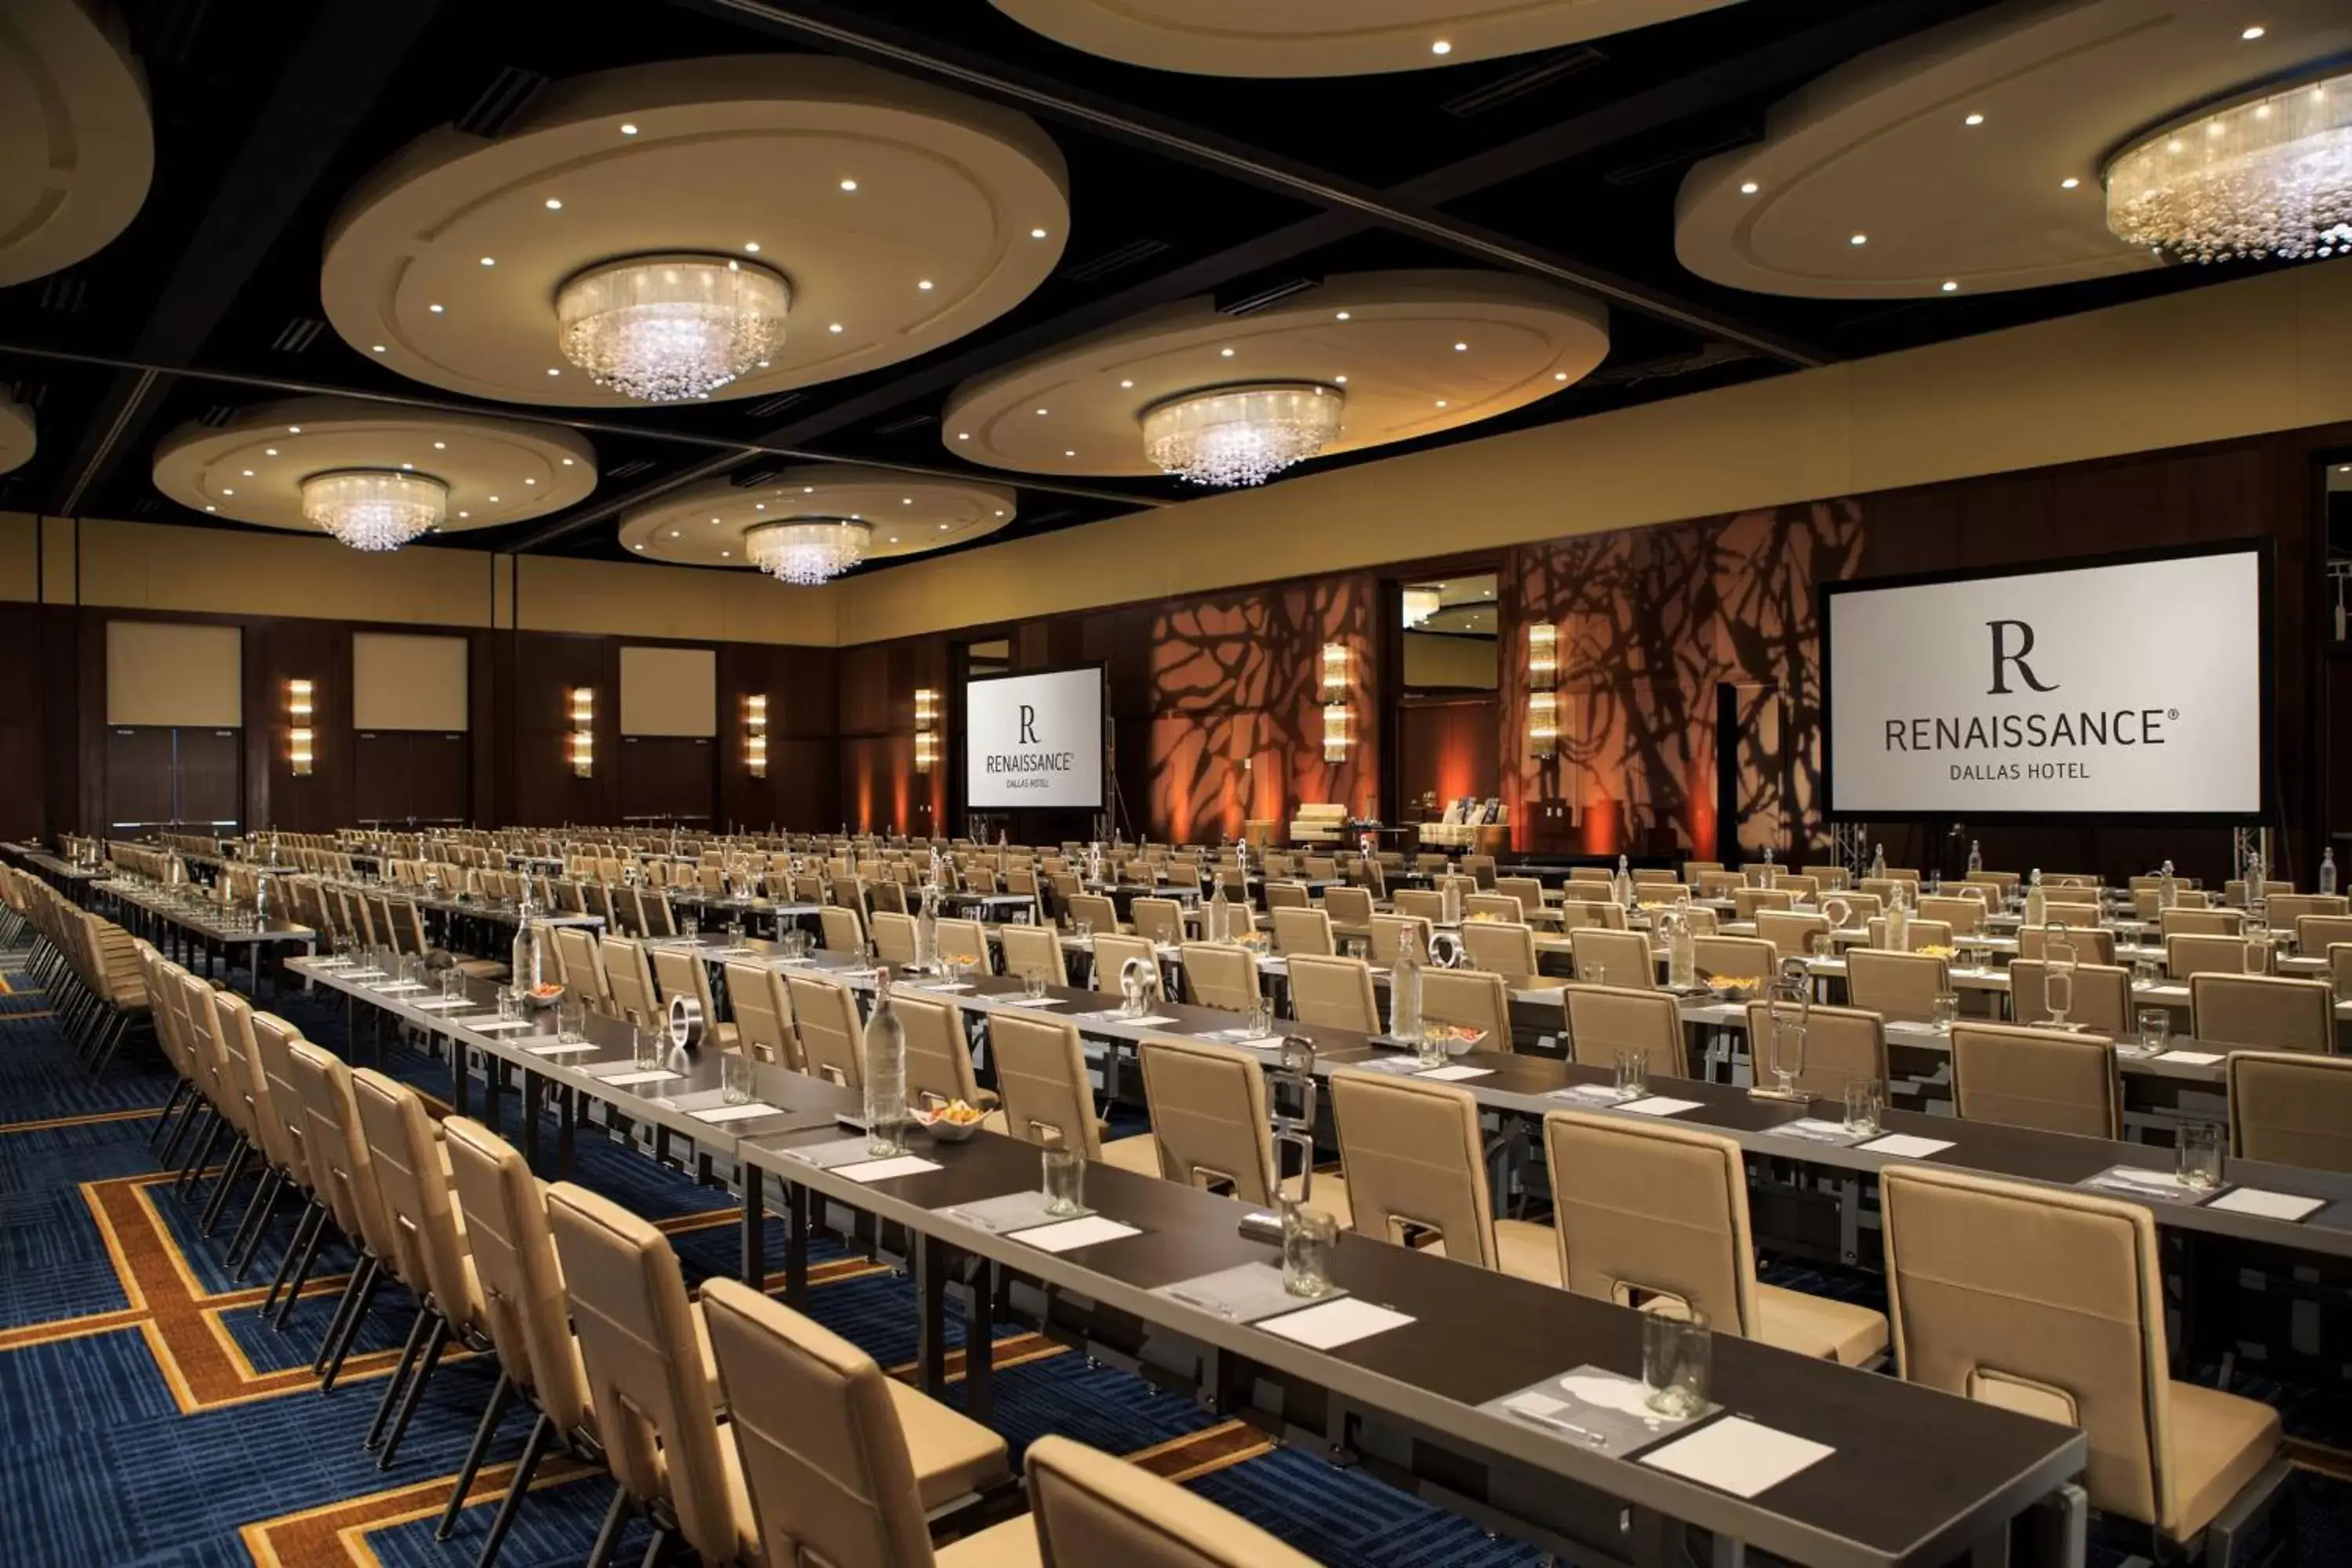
(149, 1416)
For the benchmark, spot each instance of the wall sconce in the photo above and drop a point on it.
(584, 730)
(1543, 724)
(755, 734)
(927, 741)
(1337, 722)
(1543, 656)
(302, 753)
(1335, 671)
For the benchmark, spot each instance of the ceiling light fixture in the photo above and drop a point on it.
(849, 184)
(1241, 435)
(666, 328)
(1859, 240)
(1748, 187)
(2251, 33)
(554, 205)
(374, 509)
(2069, 183)
(807, 551)
(1951, 287)
(1441, 48)
(1973, 119)
(2272, 176)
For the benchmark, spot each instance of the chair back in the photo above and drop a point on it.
(825, 1015)
(1334, 993)
(1097, 911)
(1605, 1019)
(1470, 999)
(2262, 1013)
(1646, 1210)
(894, 938)
(1091, 1509)
(1841, 1043)
(1111, 956)
(960, 939)
(2315, 934)
(1414, 1162)
(1301, 929)
(1387, 936)
(1894, 985)
(2173, 922)
(680, 971)
(1619, 958)
(1033, 950)
(2188, 955)
(1964, 916)
(2092, 944)
(646, 1376)
(1735, 957)
(1209, 1117)
(273, 1041)
(839, 928)
(1159, 920)
(523, 1302)
(1745, 902)
(1350, 908)
(1041, 1076)
(2292, 1108)
(2102, 1001)
(1502, 947)
(630, 980)
(581, 961)
(2045, 1079)
(1422, 903)
(1790, 935)
(938, 1052)
(338, 1155)
(1917, 933)
(763, 1014)
(1220, 974)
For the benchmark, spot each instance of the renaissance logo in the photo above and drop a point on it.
(1012, 766)
(2058, 728)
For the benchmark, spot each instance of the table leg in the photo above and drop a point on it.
(930, 1314)
(461, 1078)
(753, 1268)
(796, 1244)
(491, 1107)
(530, 1111)
(980, 1344)
(567, 1100)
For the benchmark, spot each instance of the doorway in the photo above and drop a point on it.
(1448, 708)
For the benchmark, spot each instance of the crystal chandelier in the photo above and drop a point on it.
(374, 508)
(670, 329)
(1241, 435)
(2265, 175)
(807, 551)
(1419, 603)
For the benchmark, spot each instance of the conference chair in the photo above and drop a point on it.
(629, 981)
(1350, 910)
(1416, 1174)
(1033, 950)
(1793, 935)
(1218, 974)
(2102, 1002)
(1746, 958)
(681, 972)
(2339, 969)
(1088, 1509)
(2291, 1107)
(1894, 985)
(1094, 912)
(964, 940)
(273, 1039)
(581, 961)
(824, 1016)
(1388, 937)
(1841, 1044)
(1506, 949)
(1576, 914)
(2286, 911)
(939, 1054)
(1334, 993)
(1917, 933)
(2051, 1080)
(1526, 890)
(1619, 958)
(2186, 956)
(1493, 907)
(1655, 1215)
(1421, 903)
(1962, 915)
(1212, 1125)
(1747, 901)
(1603, 1020)
(1161, 920)
(2315, 934)
(2233, 891)
(2261, 1013)
(1111, 954)
(839, 928)
(891, 897)
(1695, 869)
(1468, 999)
(2050, 1301)
(1047, 1098)
(894, 939)
(1299, 930)
(2092, 944)
(763, 1014)
(337, 1150)
(2200, 922)
(2061, 912)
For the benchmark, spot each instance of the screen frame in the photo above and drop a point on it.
(1102, 691)
(2264, 552)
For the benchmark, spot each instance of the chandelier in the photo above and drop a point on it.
(374, 508)
(807, 551)
(670, 329)
(1419, 603)
(1241, 435)
(2265, 175)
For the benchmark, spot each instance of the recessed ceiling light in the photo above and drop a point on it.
(1342, 316)
(1067, 452)
(1441, 48)
(1950, 287)
(759, 506)
(1037, 234)
(637, 547)
(943, 528)
(494, 500)
(567, 462)
(376, 348)
(673, 533)
(226, 491)
(489, 261)
(249, 473)
(1973, 119)
(1000, 511)
(554, 205)
(2251, 33)
(751, 245)
(849, 184)
(435, 308)
(1041, 411)
(725, 553)
(1462, 348)
(808, 489)
(924, 284)
(553, 370)
(1338, 380)
(894, 539)
(963, 435)
(1126, 386)
(1225, 353)
(2069, 183)
(1859, 240)
(470, 514)
(832, 327)
(272, 451)
(905, 501)
(1441, 403)
(444, 445)
(1748, 187)
(212, 508)
(1560, 375)
(535, 481)
(293, 429)
(628, 129)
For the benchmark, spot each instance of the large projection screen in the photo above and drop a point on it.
(2120, 690)
(1034, 741)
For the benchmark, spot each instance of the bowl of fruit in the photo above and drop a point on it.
(1459, 1040)
(546, 993)
(950, 1124)
(1733, 987)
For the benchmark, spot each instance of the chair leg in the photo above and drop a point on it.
(655, 1548)
(301, 1275)
(313, 1216)
(163, 1117)
(416, 1332)
(609, 1536)
(362, 1271)
(255, 1223)
(190, 1114)
(433, 1345)
(202, 1153)
(351, 1329)
(230, 1173)
(466, 1471)
(533, 1448)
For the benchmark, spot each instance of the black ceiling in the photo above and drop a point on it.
(1562, 163)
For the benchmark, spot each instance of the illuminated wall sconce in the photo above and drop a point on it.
(755, 734)
(584, 730)
(1543, 656)
(1335, 672)
(303, 750)
(1543, 724)
(927, 740)
(1338, 732)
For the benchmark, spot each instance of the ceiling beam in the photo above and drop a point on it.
(330, 80)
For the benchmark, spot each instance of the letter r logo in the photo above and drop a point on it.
(1029, 724)
(2002, 655)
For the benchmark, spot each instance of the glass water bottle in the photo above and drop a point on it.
(1976, 858)
(1404, 986)
(2328, 873)
(885, 1071)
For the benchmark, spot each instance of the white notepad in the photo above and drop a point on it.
(443, 1003)
(489, 1023)
(1069, 1235)
(1455, 1073)
(1909, 1147)
(1659, 1105)
(885, 1170)
(642, 1075)
(719, 1114)
(2190, 1059)
(2268, 1206)
(1036, 1000)
(559, 1049)
(1335, 1323)
(1737, 1456)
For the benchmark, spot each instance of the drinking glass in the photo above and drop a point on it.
(1947, 1011)
(2155, 1028)
(689, 927)
(1307, 1238)
(1633, 1074)
(1085, 931)
(509, 1002)
(1261, 1017)
(2198, 1152)
(735, 934)
(1032, 985)
(1676, 1357)
(2143, 972)
(453, 983)
(570, 1020)
(645, 1047)
(1429, 1046)
(1064, 1171)
(1357, 947)
(1864, 1096)
(734, 1077)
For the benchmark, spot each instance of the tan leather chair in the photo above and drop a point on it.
(1033, 950)
(681, 972)
(1917, 933)
(1841, 1044)
(2290, 1108)
(2102, 1002)
(2262, 1013)
(2315, 934)
(1619, 958)
(1302, 930)
(1894, 985)
(1159, 920)
(894, 938)
(763, 1015)
(1048, 1099)
(1605, 1019)
(1964, 916)
(1470, 999)
(1493, 906)
(2092, 944)
(1111, 955)
(1415, 1164)
(2188, 955)
(642, 1349)
(1652, 1215)
(1793, 935)
(2173, 922)
(1421, 903)
(631, 981)
(524, 1306)
(1210, 1124)
(1528, 890)
(841, 1464)
(2233, 891)
(1747, 901)
(582, 962)
(273, 1039)
(2050, 1302)
(1576, 914)
(2339, 969)
(966, 940)
(839, 930)
(2286, 911)
(2058, 911)
(338, 1156)
(1217, 974)
(1508, 949)
(2046, 1078)
(1090, 1508)
(825, 1015)
(1744, 957)
(1388, 937)
(939, 1053)
(1097, 911)
(1334, 993)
